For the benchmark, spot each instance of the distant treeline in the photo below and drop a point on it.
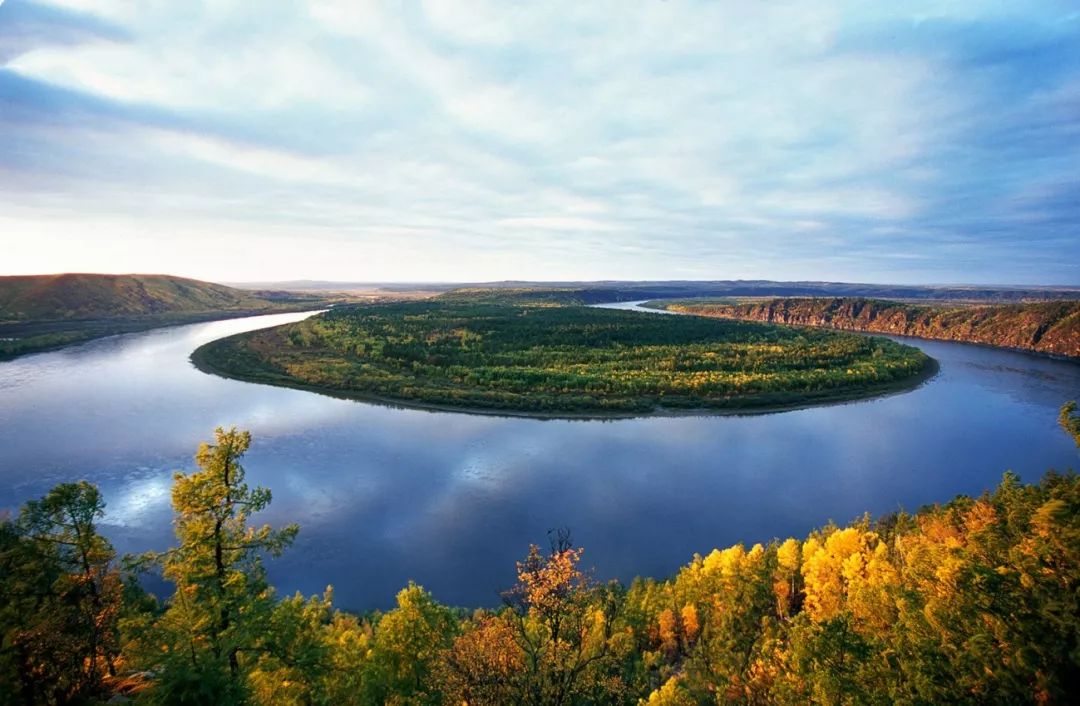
(972, 602)
(1043, 327)
(627, 290)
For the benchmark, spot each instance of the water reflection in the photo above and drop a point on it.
(384, 495)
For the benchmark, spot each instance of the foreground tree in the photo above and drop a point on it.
(294, 662)
(485, 665)
(563, 628)
(217, 622)
(409, 642)
(1070, 421)
(61, 600)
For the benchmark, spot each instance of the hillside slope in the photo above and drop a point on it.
(42, 312)
(90, 296)
(1046, 327)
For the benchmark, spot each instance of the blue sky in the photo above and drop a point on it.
(464, 140)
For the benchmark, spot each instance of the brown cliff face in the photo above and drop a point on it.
(1045, 327)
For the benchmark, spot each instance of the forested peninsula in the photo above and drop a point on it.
(539, 353)
(975, 601)
(1051, 328)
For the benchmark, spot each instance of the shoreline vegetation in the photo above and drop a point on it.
(206, 363)
(973, 601)
(528, 354)
(1044, 328)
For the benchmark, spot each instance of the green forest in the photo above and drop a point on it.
(524, 351)
(1050, 327)
(974, 601)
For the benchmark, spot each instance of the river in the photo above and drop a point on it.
(384, 495)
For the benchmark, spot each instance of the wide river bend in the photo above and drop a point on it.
(384, 495)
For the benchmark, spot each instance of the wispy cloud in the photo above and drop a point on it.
(473, 139)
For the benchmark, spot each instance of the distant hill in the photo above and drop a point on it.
(553, 296)
(624, 290)
(627, 291)
(1044, 327)
(91, 296)
(41, 312)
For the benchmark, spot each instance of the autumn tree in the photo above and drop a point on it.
(734, 589)
(1046, 561)
(218, 620)
(484, 666)
(670, 694)
(563, 626)
(1070, 421)
(62, 598)
(787, 584)
(409, 642)
(349, 639)
(293, 665)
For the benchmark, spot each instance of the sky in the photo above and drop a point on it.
(474, 140)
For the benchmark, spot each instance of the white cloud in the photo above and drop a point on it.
(533, 139)
(199, 56)
(560, 223)
(477, 21)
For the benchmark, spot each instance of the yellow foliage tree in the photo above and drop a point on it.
(670, 694)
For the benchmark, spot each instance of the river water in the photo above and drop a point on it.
(384, 495)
